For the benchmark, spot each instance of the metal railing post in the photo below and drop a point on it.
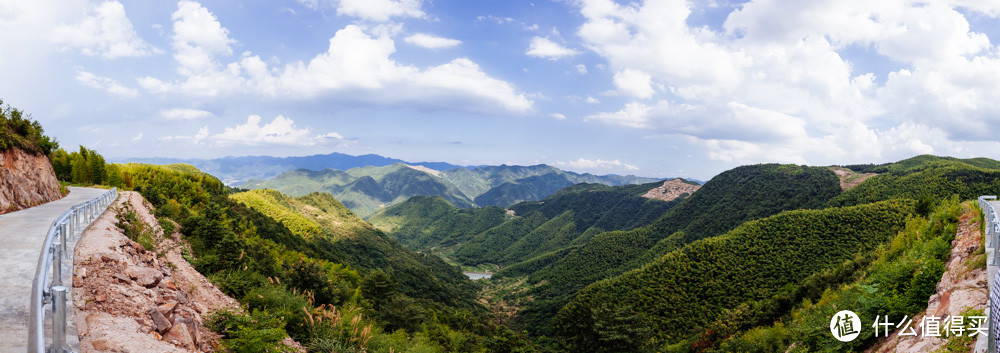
(59, 319)
(62, 241)
(991, 232)
(56, 264)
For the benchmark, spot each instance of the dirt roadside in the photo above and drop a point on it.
(127, 299)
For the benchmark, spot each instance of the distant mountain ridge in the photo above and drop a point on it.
(236, 170)
(367, 190)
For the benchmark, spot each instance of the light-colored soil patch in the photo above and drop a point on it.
(424, 169)
(962, 286)
(128, 299)
(849, 179)
(671, 190)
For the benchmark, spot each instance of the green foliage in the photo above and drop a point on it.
(423, 223)
(273, 204)
(746, 193)
(87, 167)
(345, 238)
(18, 130)
(669, 299)
(258, 331)
(488, 236)
(271, 269)
(135, 229)
(897, 282)
(723, 203)
(926, 177)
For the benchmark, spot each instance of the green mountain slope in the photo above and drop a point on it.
(424, 223)
(926, 176)
(343, 237)
(488, 235)
(669, 299)
(527, 189)
(289, 279)
(365, 190)
(370, 189)
(723, 203)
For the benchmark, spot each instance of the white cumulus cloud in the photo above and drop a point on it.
(104, 83)
(380, 10)
(547, 49)
(105, 32)
(431, 41)
(198, 38)
(356, 66)
(280, 131)
(185, 114)
(789, 90)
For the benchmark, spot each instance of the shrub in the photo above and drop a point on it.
(258, 331)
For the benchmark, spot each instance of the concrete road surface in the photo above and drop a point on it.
(22, 234)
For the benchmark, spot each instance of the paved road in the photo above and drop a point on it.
(22, 234)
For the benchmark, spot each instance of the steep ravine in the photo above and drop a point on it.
(26, 180)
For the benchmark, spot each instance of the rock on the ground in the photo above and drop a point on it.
(121, 282)
(180, 334)
(145, 276)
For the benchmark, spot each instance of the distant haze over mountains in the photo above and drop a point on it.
(367, 190)
(369, 183)
(236, 170)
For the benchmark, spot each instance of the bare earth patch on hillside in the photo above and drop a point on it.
(128, 299)
(962, 286)
(425, 169)
(671, 190)
(849, 179)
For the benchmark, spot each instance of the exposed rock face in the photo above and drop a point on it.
(962, 286)
(671, 190)
(26, 180)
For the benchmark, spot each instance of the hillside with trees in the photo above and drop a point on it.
(297, 282)
(503, 237)
(367, 190)
(668, 299)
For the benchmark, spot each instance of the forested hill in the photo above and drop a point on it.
(674, 296)
(729, 199)
(493, 235)
(925, 176)
(334, 233)
(370, 189)
(297, 263)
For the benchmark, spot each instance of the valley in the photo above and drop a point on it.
(454, 176)
(536, 259)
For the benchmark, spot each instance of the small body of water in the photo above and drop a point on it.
(478, 275)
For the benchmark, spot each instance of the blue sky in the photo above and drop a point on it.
(654, 88)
